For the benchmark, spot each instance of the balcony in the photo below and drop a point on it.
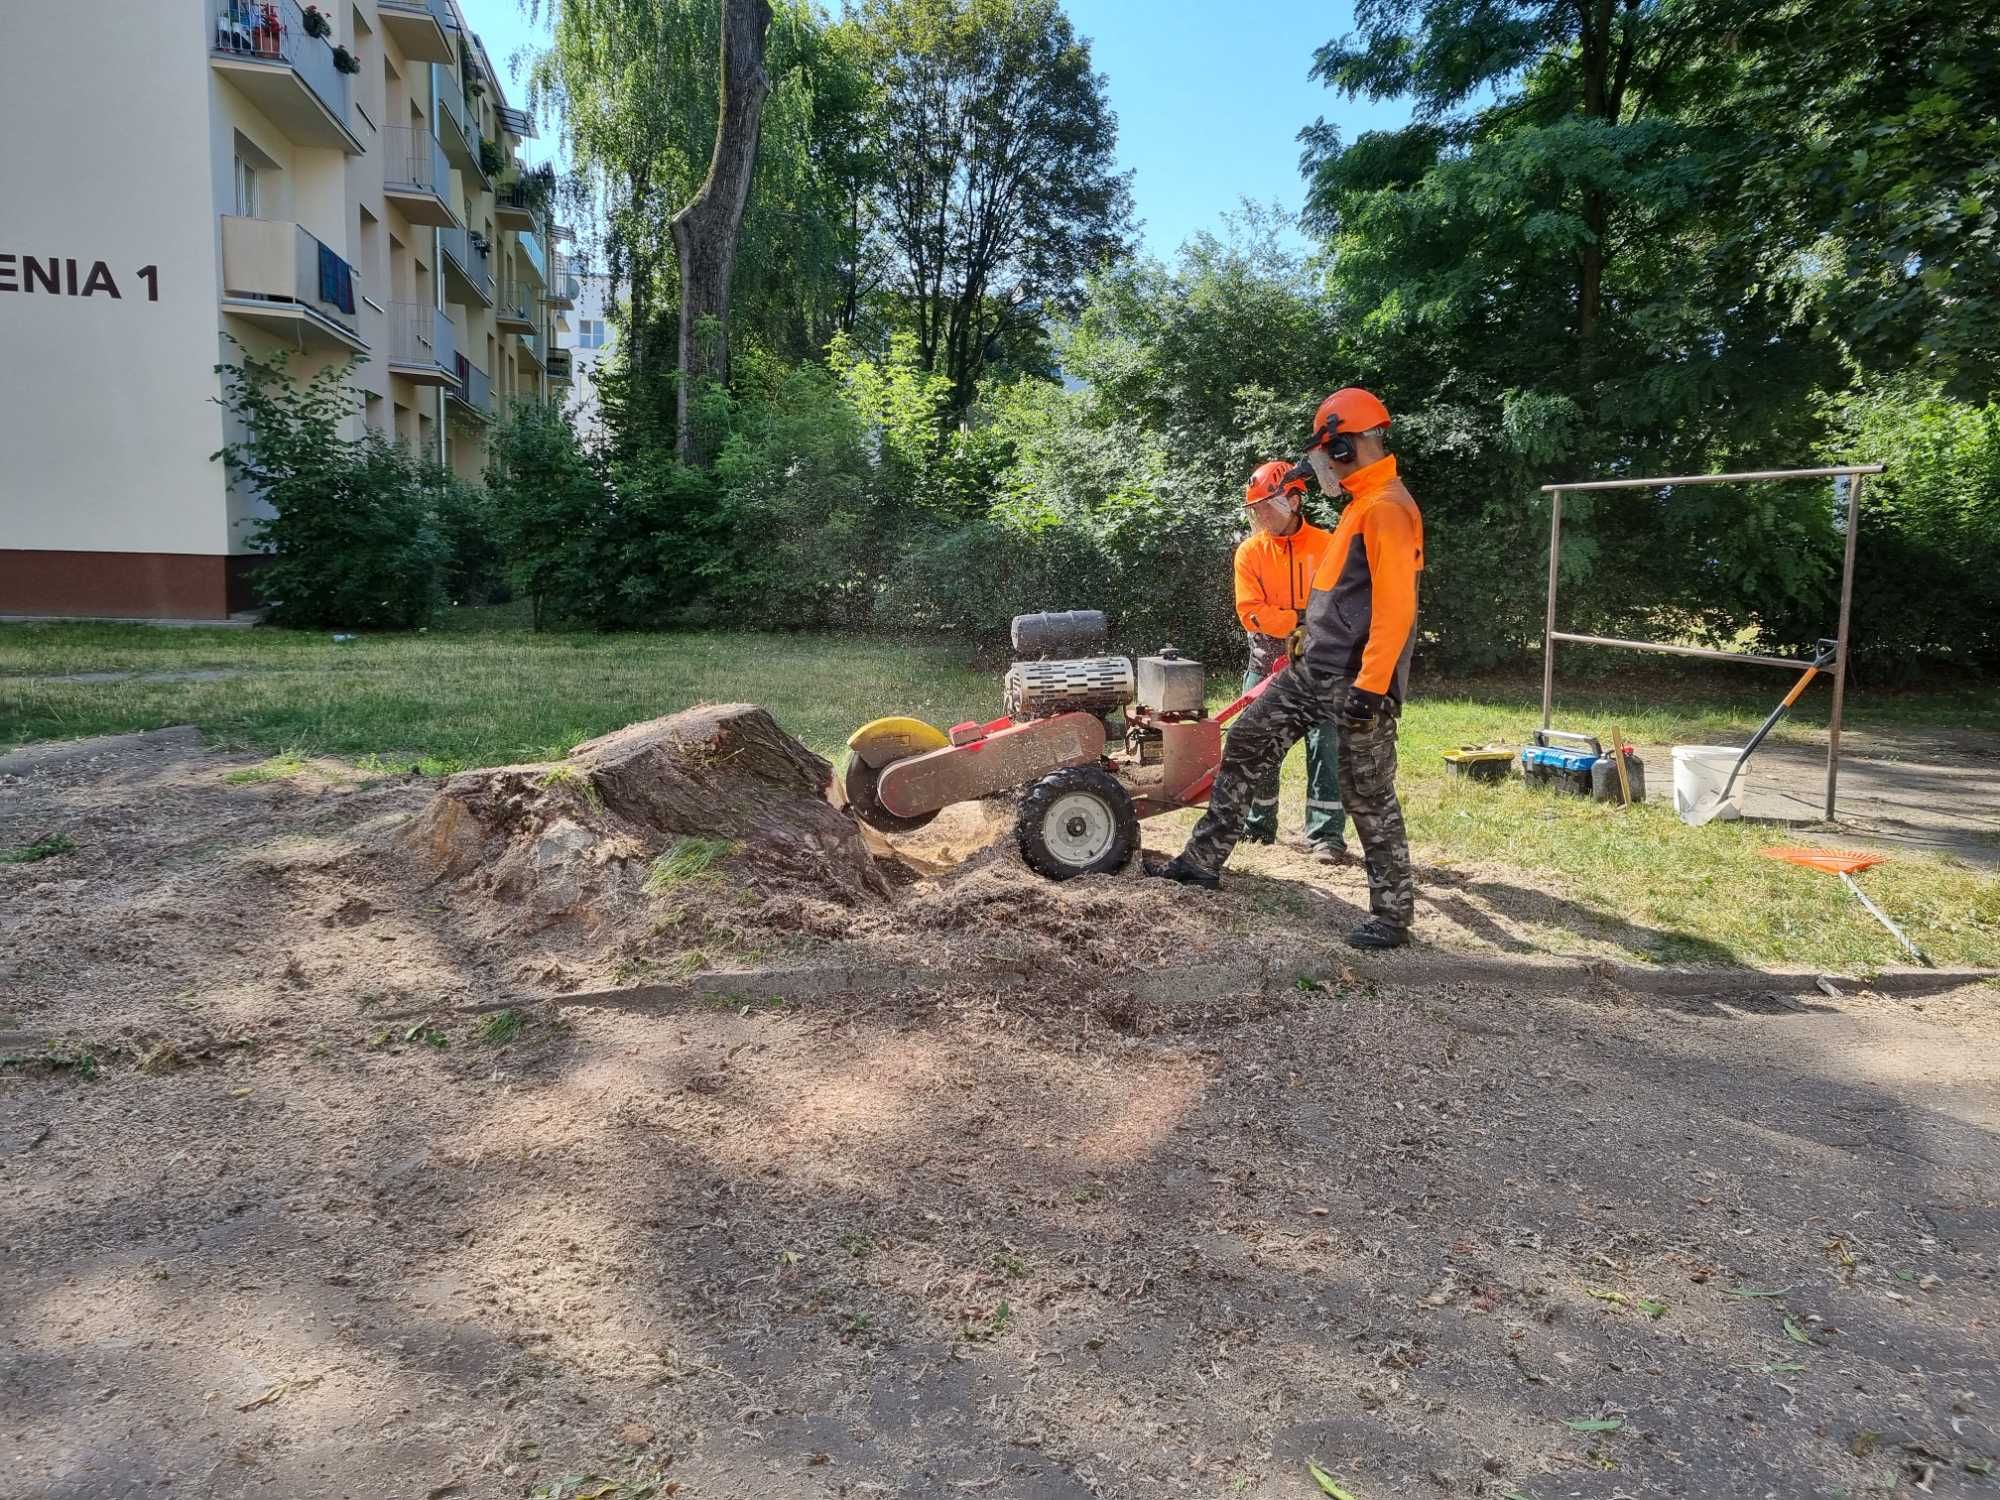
(422, 28)
(263, 49)
(473, 394)
(278, 276)
(564, 292)
(517, 208)
(514, 309)
(517, 123)
(416, 177)
(533, 257)
(531, 351)
(468, 268)
(560, 365)
(460, 135)
(422, 345)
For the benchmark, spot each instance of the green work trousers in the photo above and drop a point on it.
(1326, 820)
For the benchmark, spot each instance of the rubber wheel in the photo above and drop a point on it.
(857, 785)
(1077, 822)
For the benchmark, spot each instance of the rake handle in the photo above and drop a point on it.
(1883, 917)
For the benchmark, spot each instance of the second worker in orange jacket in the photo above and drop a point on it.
(1275, 568)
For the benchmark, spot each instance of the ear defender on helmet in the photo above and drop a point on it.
(1345, 412)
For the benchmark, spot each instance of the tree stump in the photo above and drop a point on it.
(572, 839)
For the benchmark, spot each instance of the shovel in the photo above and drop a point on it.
(1824, 653)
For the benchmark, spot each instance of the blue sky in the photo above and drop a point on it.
(1210, 98)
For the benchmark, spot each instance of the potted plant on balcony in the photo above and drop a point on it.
(479, 241)
(316, 23)
(538, 189)
(490, 159)
(345, 61)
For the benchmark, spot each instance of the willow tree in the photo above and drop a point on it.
(636, 90)
(705, 230)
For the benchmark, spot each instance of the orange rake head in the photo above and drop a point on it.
(1833, 861)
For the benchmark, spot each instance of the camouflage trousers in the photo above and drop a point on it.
(1256, 745)
(1325, 822)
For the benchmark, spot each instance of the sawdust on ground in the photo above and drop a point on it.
(945, 1241)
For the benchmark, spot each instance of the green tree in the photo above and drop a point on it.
(997, 146)
(550, 501)
(1547, 274)
(1927, 581)
(634, 87)
(1870, 164)
(351, 523)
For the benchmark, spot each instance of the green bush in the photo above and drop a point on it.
(548, 501)
(1927, 569)
(352, 524)
(808, 509)
(475, 569)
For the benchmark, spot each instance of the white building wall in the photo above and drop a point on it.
(95, 389)
(595, 301)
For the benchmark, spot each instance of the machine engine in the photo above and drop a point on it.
(1041, 689)
(1164, 687)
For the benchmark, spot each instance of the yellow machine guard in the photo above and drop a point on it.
(881, 741)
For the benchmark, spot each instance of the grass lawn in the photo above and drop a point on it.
(481, 690)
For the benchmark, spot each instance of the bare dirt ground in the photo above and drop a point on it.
(278, 1219)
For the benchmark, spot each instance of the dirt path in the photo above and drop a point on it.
(1053, 1243)
(1910, 789)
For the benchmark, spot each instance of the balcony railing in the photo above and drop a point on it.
(271, 261)
(517, 207)
(472, 259)
(271, 34)
(422, 342)
(413, 162)
(531, 349)
(475, 387)
(559, 364)
(534, 255)
(516, 303)
(461, 137)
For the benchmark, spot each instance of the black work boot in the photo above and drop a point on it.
(1376, 933)
(1181, 872)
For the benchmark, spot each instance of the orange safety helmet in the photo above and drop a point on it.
(1348, 410)
(1269, 482)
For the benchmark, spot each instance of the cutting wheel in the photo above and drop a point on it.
(872, 749)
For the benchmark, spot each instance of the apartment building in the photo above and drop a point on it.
(588, 346)
(190, 179)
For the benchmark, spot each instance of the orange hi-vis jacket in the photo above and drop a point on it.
(1274, 578)
(1361, 623)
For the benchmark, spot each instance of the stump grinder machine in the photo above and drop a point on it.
(1079, 792)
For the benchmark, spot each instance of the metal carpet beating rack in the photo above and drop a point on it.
(1550, 635)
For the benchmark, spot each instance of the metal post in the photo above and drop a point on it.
(1549, 629)
(1840, 652)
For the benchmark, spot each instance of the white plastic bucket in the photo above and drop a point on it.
(1700, 774)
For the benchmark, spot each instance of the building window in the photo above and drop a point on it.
(246, 189)
(590, 333)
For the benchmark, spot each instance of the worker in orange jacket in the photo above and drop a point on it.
(1275, 566)
(1361, 621)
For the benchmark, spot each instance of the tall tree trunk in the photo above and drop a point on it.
(705, 231)
(1590, 283)
(639, 271)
